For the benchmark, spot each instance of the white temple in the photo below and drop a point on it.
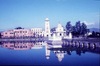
(58, 34)
(60, 31)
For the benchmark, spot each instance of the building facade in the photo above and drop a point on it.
(34, 32)
(59, 31)
(38, 32)
(22, 33)
(7, 34)
(17, 33)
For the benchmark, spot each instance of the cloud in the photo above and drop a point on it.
(89, 23)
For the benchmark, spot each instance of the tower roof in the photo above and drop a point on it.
(47, 19)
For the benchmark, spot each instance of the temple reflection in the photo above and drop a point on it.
(59, 55)
(62, 51)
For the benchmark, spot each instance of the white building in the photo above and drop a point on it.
(37, 31)
(60, 31)
(47, 28)
(58, 34)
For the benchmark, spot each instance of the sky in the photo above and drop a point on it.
(32, 13)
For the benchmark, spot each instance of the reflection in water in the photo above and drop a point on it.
(22, 45)
(59, 55)
(59, 52)
(47, 51)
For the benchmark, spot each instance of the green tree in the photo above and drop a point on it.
(78, 27)
(69, 26)
(83, 29)
(53, 29)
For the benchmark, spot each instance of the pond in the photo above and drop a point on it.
(42, 53)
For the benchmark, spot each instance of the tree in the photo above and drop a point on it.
(19, 28)
(93, 34)
(88, 30)
(83, 29)
(69, 26)
(74, 29)
(53, 29)
(78, 27)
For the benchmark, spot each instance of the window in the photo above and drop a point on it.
(15, 46)
(6, 46)
(11, 46)
(20, 31)
(11, 33)
(21, 46)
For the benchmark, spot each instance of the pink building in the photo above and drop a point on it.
(17, 33)
(8, 33)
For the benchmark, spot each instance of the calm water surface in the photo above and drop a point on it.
(41, 53)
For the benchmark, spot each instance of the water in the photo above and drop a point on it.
(42, 53)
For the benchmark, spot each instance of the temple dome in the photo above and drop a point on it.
(59, 25)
